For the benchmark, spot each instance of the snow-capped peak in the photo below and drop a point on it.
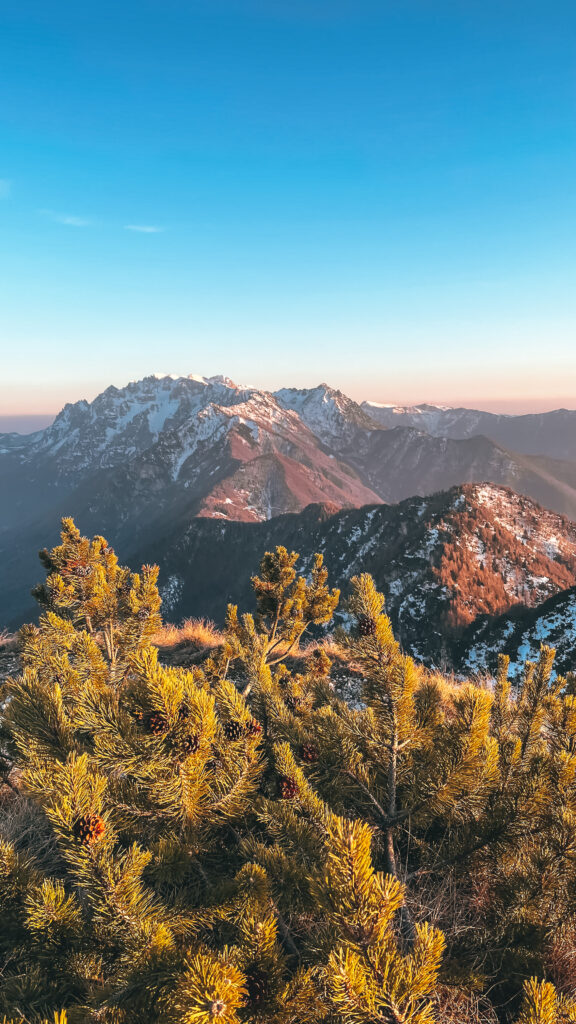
(224, 381)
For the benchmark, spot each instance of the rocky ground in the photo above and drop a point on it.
(9, 660)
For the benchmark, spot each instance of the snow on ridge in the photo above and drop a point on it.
(416, 410)
(554, 627)
(224, 381)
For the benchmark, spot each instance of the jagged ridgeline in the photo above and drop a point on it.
(234, 843)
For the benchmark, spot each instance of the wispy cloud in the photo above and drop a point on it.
(69, 219)
(145, 229)
(5, 187)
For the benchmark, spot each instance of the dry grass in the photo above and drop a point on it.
(24, 825)
(456, 1007)
(332, 649)
(561, 959)
(202, 633)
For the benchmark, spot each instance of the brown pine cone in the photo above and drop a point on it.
(292, 702)
(88, 828)
(257, 983)
(288, 787)
(156, 723)
(254, 728)
(190, 743)
(233, 730)
(366, 626)
(309, 753)
(76, 567)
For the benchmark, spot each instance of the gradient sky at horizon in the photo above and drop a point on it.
(372, 193)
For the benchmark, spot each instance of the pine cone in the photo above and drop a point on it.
(288, 787)
(190, 743)
(156, 723)
(366, 625)
(257, 983)
(142, 614)
(253, 728)
(233, 730)
(309, 753)
(183, 712)
(88, 828)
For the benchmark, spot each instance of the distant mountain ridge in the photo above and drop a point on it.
(242, 453)
(547, 433)
(230, 452)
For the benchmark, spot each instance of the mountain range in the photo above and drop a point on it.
(171, 469)
(549, 433)
(231, 452)
(449, 565)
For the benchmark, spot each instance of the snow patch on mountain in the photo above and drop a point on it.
(552, 624)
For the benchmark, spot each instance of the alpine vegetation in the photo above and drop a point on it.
(232, 842)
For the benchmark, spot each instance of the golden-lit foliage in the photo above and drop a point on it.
(233, 843)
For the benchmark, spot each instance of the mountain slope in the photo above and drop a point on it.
(550, 433)
(164, 441)
(520, 635)
(449, 565)
(400, 462)
(444, 563)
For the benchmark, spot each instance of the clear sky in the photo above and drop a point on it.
(377, 194)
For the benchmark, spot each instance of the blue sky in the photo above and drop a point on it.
(381, 195)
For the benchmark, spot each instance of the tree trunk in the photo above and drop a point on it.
(392, 769)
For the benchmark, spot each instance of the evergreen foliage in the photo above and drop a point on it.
(234, 843)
